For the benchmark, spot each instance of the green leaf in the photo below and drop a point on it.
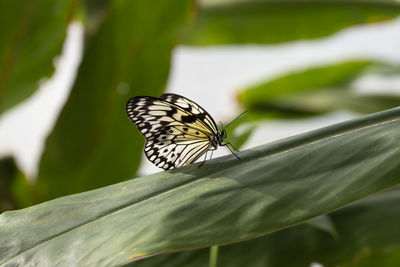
(356, 245)
(240, 137)
(228, 200)
(31, 36)
(192, 258)
(94, 144)
(95, 13)
(8, 172)
(301, 245)
(383, 69)
(330, 100)
(276, 21)
(307, 81)
(315, 91)
(366, 258)
(324, 223)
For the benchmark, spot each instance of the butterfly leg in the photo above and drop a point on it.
(229, 145)
(212, 151)
(205, 158)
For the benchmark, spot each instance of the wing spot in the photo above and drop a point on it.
(188, 119)
(157, 113)
(185, 129)
(197, 133)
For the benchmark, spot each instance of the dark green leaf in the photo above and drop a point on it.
(367, 236)
(228, 200)
(367, 258)
(324, 223)
(281, 21)
(31, 36)
(367, 226)
(8, 172)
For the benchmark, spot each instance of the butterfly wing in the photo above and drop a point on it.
(173, 154)
(192, 108)
(175, 137)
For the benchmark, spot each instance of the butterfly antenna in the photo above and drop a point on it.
(222, 126)
(226, 126)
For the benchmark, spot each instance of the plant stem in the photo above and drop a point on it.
(213, 256)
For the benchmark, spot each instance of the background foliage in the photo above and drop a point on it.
(127, 52)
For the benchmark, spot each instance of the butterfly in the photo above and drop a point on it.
(177, 130)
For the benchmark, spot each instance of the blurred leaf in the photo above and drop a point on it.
(15, 191)
(276, 21)
(24, 191)
(95, 13)
(323, 223)
(221, 3)
(95, 7)
(357, 245)
(94, 144)
(31, 36)
(366, 258)
(240, 137)
(331, 100)
(309, 80)
(313, 92)
(8, 171)
(273, 186)
(383, 69)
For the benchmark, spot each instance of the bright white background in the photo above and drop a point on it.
(210, 76)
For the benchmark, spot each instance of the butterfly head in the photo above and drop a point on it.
(221, 135)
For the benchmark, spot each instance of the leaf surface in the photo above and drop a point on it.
(272, 187)
(354, 244)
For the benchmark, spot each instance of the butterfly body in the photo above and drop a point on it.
(177, 130)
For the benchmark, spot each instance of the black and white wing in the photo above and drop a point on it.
(192, 108)
(175, 136)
